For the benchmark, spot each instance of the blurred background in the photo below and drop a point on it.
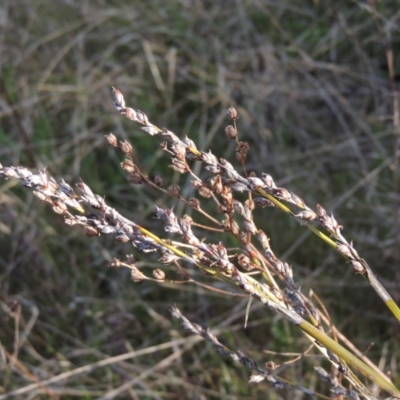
(316, 87)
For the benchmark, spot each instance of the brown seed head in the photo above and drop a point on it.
(90, 231)
(250, 204)
(306, 216)
(174, 190)
(159, 181)
(195, 203)
(122, 238)
(70, 221)
(358, 267)
(231, 132)
(135, 178)
(230, 226)
(217, 185)
(243, 147)
(179, 165)
(159, 274)
(232, 113)
(321, 211)
(241, 151)
(282, 194)
(297, 200)
(197, 184)
(112, 140)
(345, 250)
(141, 117)
(244, 262)
(128, 166)
(222, 209)
(179, 150)
(125, 146)
(119, 102)
(226, 194)
(269, 182)
(205, 192)
(130, 113)
(41, 196)
(60, 207)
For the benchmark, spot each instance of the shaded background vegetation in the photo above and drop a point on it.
(313, 89)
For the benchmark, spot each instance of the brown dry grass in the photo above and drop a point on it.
(315, 99)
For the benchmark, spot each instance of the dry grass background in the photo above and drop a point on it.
(312, 86)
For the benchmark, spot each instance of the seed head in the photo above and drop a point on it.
(126, 147)
(232, 113)
(90, 231)
(231, 132)
(135, 178)
(179, 165)
(195, 203)
(159, 274)
(112, 140)
(130, 113)
(174, 190)
(241, 151)
(159, 181)
(205, 192)
(128, 166)
(217, 185)
(244, 262)
(119, 103)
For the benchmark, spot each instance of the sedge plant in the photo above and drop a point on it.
(252, 267)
